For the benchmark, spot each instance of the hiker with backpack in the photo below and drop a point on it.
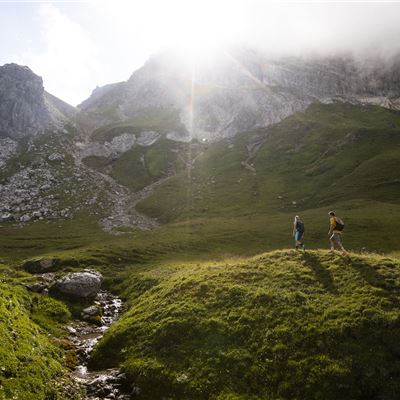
(335, 232)
(298, 232)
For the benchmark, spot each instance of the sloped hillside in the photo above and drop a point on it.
(282, 325)
(33, 362)
(330, 153)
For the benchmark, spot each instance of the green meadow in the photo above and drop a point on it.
(217, 306)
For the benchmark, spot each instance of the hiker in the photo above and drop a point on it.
(335, 232)
(298, 232)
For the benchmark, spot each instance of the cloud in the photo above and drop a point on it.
(77, 47)
(325, 27)
(68, 60)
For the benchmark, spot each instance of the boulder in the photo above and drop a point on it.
(6, 217)
(82, 284)
(41, 265)
(25, 218)
(36, 214)
(91, 311)
(55, 157)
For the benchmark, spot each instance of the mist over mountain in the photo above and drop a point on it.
(243, 89)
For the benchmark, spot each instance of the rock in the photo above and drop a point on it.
(248, 166)
(42, 265)
(55, 157)
(91, 311)
(6, 217)
(23, 108)
(37, 287)
(48, 276)
(71, 330)
(25, 218)
(8, 149)
(123, 143)
(36, 214)
(147, 138)
(82, 284)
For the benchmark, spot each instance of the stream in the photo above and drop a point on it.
(107, 384)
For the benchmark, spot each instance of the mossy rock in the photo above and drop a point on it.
(41, 265)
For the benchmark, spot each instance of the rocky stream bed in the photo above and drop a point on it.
(102, 310)
(106, 384)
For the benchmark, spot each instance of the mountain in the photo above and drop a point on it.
(90, 167)
(179, 227)
(25, 107)
(240, 90)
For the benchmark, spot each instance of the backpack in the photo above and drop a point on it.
(300, 226)
(339, 226)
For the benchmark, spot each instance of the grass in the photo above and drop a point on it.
(329, 154)
(279, 325)
(33, 361)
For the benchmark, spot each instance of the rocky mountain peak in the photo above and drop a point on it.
(243, 89)
(25, 107)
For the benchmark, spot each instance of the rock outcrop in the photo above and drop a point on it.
(25, 107)
(41, 265)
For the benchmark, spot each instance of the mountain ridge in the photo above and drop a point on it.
(246, 90)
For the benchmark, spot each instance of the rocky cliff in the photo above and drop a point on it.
(242, 90)
(25, 107)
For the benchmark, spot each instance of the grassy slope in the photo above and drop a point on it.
(141, 166)
(329, 153)
(33, 361)
(277, 326)
(222, 208)
(336, 156)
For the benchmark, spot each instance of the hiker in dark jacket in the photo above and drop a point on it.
(298, 232)
(335, 232)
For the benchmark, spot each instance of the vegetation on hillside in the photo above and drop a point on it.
(328, 154)
(33, 359)
(282, 325)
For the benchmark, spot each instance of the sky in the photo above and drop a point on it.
(77, 45)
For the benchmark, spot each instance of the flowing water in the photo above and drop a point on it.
(107, 384)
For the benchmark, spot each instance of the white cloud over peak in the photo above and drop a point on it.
(68, 59)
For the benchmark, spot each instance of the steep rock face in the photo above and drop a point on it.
(243, 90)
(25, 107)
(22, 105)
